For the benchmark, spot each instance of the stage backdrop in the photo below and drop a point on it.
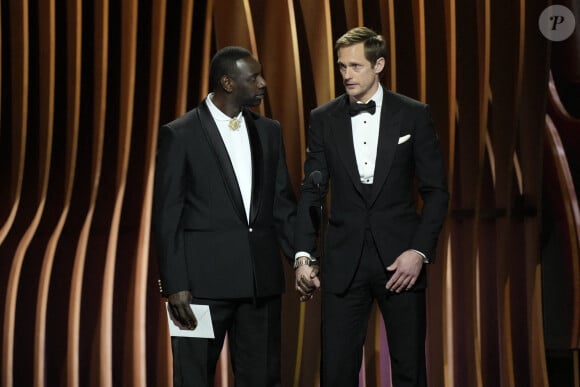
(85, 86)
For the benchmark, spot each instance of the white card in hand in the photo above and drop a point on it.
(204, 327)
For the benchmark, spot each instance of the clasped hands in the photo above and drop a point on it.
(307, 281)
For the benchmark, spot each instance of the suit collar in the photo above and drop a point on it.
(226, 168)
(257, 164)
(342, 131)
(388, 138)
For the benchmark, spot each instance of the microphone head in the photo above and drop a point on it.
(315, 177)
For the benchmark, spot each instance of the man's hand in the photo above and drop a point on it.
(180, 309)
(407, 268)
(307, 281)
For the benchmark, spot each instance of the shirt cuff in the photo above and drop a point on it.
(302, 254)
(425, 259)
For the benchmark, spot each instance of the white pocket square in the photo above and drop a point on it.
(404, 138)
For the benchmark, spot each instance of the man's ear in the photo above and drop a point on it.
(226, 83)
(379, 65)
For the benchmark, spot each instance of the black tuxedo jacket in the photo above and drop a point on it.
(408, 159)
(204, 242)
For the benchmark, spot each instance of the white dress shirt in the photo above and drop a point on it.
(365, 137)
(237, 144)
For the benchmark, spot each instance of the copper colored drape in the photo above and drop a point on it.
(85, 86)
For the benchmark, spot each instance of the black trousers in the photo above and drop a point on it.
(254, 336)
(345, 320)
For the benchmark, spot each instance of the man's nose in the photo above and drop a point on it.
(262, 82)
(347, 73)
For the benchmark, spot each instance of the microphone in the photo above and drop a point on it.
(316, 178)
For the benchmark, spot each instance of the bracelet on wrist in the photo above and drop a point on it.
(302, 261)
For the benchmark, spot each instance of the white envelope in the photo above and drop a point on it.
(204, 327)
(404, 138)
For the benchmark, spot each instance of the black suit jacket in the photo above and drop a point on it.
(204, 242)
(408, 159)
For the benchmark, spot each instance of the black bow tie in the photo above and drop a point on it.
(356, 108)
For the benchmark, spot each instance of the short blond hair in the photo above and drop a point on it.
(374, 44)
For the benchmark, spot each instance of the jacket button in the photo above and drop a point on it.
(250, 229)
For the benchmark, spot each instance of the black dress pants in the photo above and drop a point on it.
(345, 320)
(254, 336)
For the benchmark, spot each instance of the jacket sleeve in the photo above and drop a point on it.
(311, 195)
(284, 205)
(168, 203)
(432, 184)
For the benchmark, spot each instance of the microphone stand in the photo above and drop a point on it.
(315, 178)
(321, 234)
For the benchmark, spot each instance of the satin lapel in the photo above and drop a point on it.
(341, 128)
(219, 148)
(388, 138)
(257, 165)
